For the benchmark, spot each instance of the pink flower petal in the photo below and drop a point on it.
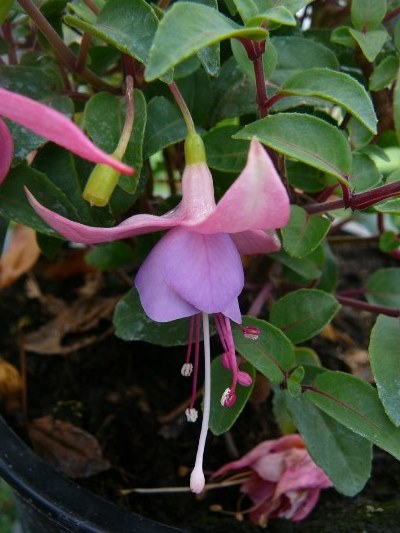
(204, 270)
(256, 242)
(256, 200)
(6, 150)
(232, 311)
(309, 504)
(159, 301)
(55, 127)
(76, 232)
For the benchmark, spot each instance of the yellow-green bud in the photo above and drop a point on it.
(194, 149)
(101, 184)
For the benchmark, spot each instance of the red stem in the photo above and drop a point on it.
(358, 304)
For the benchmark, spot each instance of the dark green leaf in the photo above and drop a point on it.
(384, 74)
(223, 418)
(271, 354)
(355, 404)
(305, 267)
(110, 256)
(302, 314)
(383, 287)
(299, 137)
(384, 349)
(371, 43)
(364, 174)
(223, 152)
(132, 324)
(367, 15)
(344, 456)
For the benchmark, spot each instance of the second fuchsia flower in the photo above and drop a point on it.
(49, 124)
(196, 267)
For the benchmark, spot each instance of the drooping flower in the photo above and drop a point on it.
(283, 480)
(49, 124)
(196, 267)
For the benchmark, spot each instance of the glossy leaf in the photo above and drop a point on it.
(223, 418)
(132, 324)
(302, 314)
(336, 87)
(355, 404)
(303, 233)
(384, 74)
(305, 138)
(384, 352)
(343, 455)
(165, 126)
(383, 287)
(271, 354)
(188, 28)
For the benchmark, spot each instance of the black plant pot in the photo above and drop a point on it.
(50, 503)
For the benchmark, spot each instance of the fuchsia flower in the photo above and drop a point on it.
(196, 267)
(284, 481)
(50, 124)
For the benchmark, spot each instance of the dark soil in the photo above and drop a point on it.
(120, 391)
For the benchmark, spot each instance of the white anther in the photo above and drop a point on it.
(187, 370)
(226, 396)
(191, 414)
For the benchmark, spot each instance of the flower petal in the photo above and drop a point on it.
(256, 200)
(256, 242)
(55, 127)
(6, 150)
(205, 270)
(76, 232)
(160, 302)
(232, 311)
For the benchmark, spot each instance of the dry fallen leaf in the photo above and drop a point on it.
(21, 255)
(10, 386)
(67, 448)
(83, 315)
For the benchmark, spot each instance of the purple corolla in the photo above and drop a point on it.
(50, 124)
(196, 267)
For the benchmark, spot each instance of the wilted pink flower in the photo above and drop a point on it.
(196, 267)
(284, 481)
(51, 125)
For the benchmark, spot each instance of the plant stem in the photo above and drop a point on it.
(92, 6)
(83, 52)
(358, 304)
(176, 93)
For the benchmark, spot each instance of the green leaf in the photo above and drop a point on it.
(344, 456)
(304, 138)
(384, 74)
(304, 267)
(390, 207)
(110, 256)
(312, 54)
(371, 43)
(223, 418)
(277, 14)
(104, 121)
(396, 106)
(271, 354)
(269, 59)
(246, 8)
(336, 87)
(165, 126)
(223, 152)
(186, 29)
(367, 15)
(4, 9)
(364, 174)
(385, 363)
(355, 404)
(281, 413)
(128, 25)
(132, 324)
(304, 232)
(210, 56)
(302, 314)
(383, 287)
(306, 356)
(388, 240)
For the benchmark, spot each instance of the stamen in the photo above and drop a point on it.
(191, 414)
(197, 480)
(228, 398)
(251, 332)
(187, 370)
(196, 359)
(190, 341)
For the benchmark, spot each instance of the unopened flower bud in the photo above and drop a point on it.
(228, 398)
(244, 378)
(187, 370)
(251, 332)
(100, 186)
(191, 414)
